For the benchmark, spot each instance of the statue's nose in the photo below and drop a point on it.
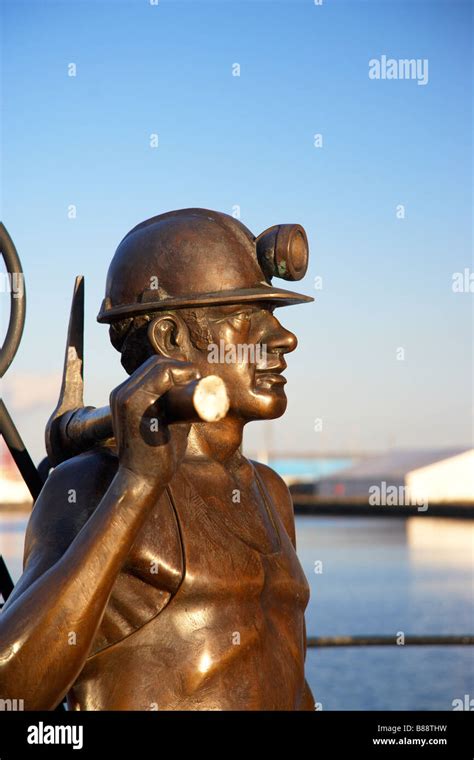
(280, 339)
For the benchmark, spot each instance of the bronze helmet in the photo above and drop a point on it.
(196, 257)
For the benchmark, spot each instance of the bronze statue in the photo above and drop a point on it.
(160, 569)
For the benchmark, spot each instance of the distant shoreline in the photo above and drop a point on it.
(310, 506)
(19, 509)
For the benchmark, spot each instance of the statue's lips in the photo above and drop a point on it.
(271, 375)
(272, 378)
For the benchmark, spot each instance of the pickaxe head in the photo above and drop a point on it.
(71, 397)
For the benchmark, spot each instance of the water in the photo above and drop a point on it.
(385, 576)
(374, 576)
(12, 537)
(313, 469)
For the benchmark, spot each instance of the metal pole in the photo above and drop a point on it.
(19, 453)
(387, 641)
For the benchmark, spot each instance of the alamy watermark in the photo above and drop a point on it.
(399, 68)
(12, 283)
(12, 705)
(463, 282)
(466, 703)
(383, 495)
(240, 353)
(42, 733)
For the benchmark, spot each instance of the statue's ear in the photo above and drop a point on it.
(169, 336)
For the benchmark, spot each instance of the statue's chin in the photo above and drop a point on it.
(266, 404)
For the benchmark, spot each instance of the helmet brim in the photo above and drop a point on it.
(277, 296)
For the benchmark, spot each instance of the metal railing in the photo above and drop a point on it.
(388, 641)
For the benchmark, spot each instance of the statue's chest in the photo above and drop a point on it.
(227, 515)
(230, 545)
(187, 520)
(236, 551)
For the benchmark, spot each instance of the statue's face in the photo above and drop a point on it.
(247, 352)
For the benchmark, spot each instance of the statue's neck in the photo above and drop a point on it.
(217, 441)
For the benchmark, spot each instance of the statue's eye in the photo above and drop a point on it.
(236, 320)
(237, 317)
(242, 316)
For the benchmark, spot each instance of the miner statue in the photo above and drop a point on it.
(160, 569)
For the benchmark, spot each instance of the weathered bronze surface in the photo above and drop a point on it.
(160, 564)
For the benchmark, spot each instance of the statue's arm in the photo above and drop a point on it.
(284, 503)
(308, 701)
(281, 498)
(49, 623)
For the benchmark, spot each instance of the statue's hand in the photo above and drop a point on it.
(147, 445)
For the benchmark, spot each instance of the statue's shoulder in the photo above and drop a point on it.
(83, 476)
(69, 496)
(280, 496)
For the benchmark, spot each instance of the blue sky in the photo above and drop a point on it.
(248, 141)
